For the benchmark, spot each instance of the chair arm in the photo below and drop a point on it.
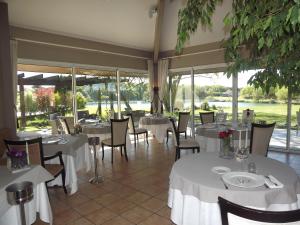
(57, 154)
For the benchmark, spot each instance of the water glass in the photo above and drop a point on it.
(251, 167)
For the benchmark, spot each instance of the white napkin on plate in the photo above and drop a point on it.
(63, 141)
(272, 182)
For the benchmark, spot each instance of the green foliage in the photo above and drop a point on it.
(205, 106)
(30, 105)
(282, 94)
(264, 35)
(174, 88)
(81, 100)
(188, 18)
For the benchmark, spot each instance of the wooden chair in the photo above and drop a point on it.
(276, 217)
(207, 117)
(36, 157)
(65, 126)
(183, 144)
(118, 137)
(260, 138)
(135, 131)
(182, 124)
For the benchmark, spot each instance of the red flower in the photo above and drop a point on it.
(225, 134)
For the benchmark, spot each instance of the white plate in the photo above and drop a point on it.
(243, 179)
(51, 140)
(220, 169)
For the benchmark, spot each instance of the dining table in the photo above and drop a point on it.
(9, 214)
(76, 156)
(157, 125)
(207, 135)
(196, 183)
(75, 153)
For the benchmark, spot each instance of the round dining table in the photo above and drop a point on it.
(195, 187)
(207, 135)
(157, 125)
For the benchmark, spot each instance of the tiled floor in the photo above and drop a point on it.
(133, 192)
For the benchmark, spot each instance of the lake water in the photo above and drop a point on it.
(187, 104)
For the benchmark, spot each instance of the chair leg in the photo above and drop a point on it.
(112, 155)
(185, 134)
(167, 137)
(134, 140)
(193, 150)
(176, 154)
(147, 138)
(198, 149)
(125, 152)
(102, 151)
(63, 177)
(121, 151)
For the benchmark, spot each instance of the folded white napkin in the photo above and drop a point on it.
(272, 182)
(62, 142)
(20, 170)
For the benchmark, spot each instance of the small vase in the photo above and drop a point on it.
(18, 162)
(226, 151)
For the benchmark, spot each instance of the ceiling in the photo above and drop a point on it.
(119, 22)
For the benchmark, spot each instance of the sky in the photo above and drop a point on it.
(217, 79)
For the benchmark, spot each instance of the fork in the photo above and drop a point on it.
(266, 176)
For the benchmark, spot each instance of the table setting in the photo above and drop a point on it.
(75, 152)
(197, 180)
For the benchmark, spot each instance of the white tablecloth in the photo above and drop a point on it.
(9, 215)
(77, 156)
(157, 126)
(194, 189)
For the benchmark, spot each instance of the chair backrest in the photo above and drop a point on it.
(248, 114)
(221, 117)
(183, 121)
(119, 131)
(64, 125)
(5, 133)
(207, 117)
(246, 214)
(260, 138)
(175, 132)
(70, 123)
(54, 125)
(35, 149)
(130, 122)
(298, 118)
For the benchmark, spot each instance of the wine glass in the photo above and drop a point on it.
(241, 154)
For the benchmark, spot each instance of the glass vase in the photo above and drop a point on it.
(226, 150)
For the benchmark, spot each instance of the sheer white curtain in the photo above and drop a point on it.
(151, 78)
(163, 68)
(14, 70)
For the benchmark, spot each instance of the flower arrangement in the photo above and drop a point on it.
(225, 134)
(18, 158)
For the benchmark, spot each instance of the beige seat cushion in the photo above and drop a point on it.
(107, 141)
(140, 130)
(188, 143)
(54, 169)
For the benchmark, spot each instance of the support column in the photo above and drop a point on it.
(170, 93)
(22, 106)
(74, 99)
(118, 94)
(7, 111)
(193, 102)
(235, 98)
(288, 122)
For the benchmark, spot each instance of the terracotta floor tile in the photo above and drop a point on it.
(81, 221)
(76, 199)
(65, 217)
(156, 220)
(153, 204)
(118, 221)
(107, 199)
(136, 214)
(165, 212)
(88, 207)
(121, 206)
(100, 216)
(138, 197)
